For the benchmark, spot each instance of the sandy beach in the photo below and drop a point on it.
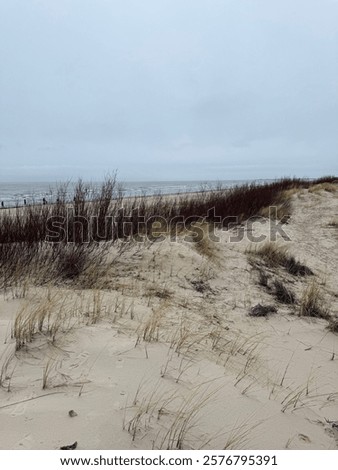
(166, 352)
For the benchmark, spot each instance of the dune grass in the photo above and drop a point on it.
(62, 240)
(282, 293)
(275, 255)
(312, 304)
(334, 223)
(333, 324)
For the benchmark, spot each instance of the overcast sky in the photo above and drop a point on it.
(168, 89)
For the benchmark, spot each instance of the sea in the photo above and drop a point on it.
(19, 194)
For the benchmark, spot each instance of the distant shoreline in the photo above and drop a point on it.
(13, 195)
(126, 198)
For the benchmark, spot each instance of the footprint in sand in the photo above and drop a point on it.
(79, 360)
(19, 410)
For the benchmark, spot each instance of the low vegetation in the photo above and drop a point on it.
(312, 304)
(275, 255)
(333, 324)
(282, 293)
(35, 240)
(329, 186)
(55, 314)
(196, 313)
(334, 223)
(262, 310)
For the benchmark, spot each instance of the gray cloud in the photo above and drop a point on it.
(166, 90)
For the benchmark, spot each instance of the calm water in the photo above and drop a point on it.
(12, 194)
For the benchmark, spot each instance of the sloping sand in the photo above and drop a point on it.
(165, 355)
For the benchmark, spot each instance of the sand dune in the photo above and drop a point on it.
(163, 354)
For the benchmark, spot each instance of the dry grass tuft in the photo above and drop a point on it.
(202, 241)
(312, 303)
(263, 278)
(281, 210)
(49, 366)
(282, 293)
(326, 186)
(262, 310)
(178, 417)
(271, 253)
(150, 330)
(275, 255)
(239, 436)
(6, 372)
(201, 286)
(333, 223)
(55, 314)
(333, 324)
(296, 268)
(161, 292)
(32, 319)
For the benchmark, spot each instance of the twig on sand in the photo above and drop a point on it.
(28, 399)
